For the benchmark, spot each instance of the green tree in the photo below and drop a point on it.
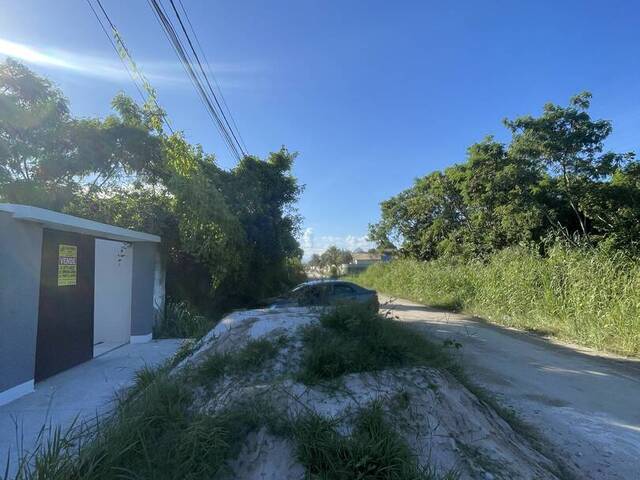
(47, 157)
(314, 261)
(37, 155)
(501, 200)
(426, 219)
(570, 146)
(334, 257)
(555, 177)
(229, 236)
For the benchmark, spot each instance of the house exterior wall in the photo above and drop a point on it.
(21, 253)
(366, 262)
(142, 292)
(20, 259)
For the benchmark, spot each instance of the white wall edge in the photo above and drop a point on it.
(141, 338)
(16, 392)
(62, 221)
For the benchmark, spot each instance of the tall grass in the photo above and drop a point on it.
(180, 320)
(154, 434)
(590, 297)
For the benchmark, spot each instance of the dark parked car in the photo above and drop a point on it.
(322, 293)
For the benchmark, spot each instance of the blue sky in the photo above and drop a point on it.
(372, 94)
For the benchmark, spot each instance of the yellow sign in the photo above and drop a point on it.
(67, 265)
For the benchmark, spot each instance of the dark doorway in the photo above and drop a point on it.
(65, 318)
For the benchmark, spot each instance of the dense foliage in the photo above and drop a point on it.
(589, 297)
(554, 180)
(229, 235)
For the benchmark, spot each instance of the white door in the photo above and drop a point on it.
(112, 295)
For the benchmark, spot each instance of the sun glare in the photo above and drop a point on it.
(28, 54)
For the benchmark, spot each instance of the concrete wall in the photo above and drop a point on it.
(112, 293)
(20, 256)
(142, 292)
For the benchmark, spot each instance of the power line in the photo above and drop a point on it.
(215, 80)
(204, 73)
(174, 41)
(126, 67)
(136, 72)
(187, 62)
(209, 100)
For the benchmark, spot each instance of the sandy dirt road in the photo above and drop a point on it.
(585, 404)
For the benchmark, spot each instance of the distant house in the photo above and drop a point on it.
(366, 259)
(363, 260)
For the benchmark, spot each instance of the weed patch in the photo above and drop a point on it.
(250, 359)
(152, 435)
(352, 339)
(373, 450)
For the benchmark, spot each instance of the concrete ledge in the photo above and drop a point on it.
(16, 392)
(141, 338)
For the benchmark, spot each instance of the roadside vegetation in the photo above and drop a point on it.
(228, 236)
(541, 233)
(180, 320)
(583, 296)
(352, 339)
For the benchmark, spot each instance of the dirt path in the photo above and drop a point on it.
(586, 405)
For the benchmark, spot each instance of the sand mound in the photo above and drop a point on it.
(446, 426)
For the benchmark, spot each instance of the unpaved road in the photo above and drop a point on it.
(587, 406)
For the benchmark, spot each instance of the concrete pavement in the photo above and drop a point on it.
(587, 405)
(79, 394)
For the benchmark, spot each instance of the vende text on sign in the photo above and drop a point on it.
(67, 265)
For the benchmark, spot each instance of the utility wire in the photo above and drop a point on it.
(215, 80)
(196, 80)
(174, 41)
(126, 67)
(135, 72)
(196, 77)
(204, 73)
(167, 28)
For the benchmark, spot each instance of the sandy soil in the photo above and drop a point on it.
(585, 404)
(446, 425)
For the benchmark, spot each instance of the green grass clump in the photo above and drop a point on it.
(249, 359)
(353, 339)
(590, 297)
(154, 434)
(180, 320)
(253, 356)
(373, 450)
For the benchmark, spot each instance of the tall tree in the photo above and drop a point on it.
(570, 145)
(334, 257)
(499, 192)
(555, 176)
